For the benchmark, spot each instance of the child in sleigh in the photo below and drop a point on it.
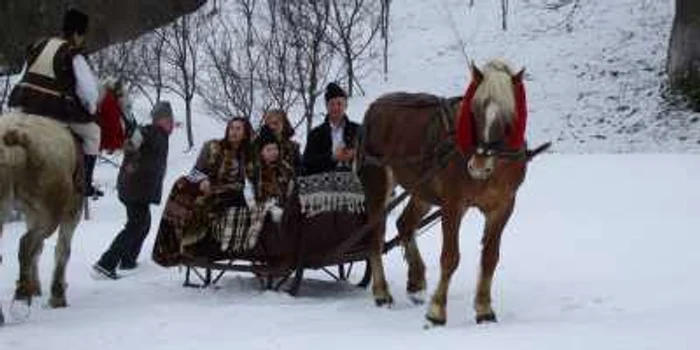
(271, 177)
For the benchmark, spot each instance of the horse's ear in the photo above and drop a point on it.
(477, 75)
(518, 77)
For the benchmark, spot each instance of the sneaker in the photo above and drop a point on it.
(102, 273)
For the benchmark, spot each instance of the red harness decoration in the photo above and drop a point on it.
(465, 132)
(465, 128)
(517, 135)
(110, 120)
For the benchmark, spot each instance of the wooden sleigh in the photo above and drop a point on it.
(331, 239)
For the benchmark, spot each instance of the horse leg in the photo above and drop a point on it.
(449, 260)
(36, 281)
(491, 243)
(376, 182)
(406, 226)
(61, 256)
(29, 247)
(380, 288)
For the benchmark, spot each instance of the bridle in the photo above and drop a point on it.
(498, 150)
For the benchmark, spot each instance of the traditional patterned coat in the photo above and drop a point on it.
(272, 182)
(225, 170)
(290, 153)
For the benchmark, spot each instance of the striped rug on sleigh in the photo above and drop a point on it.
(332, 191)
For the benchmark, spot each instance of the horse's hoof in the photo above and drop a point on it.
(434, 322)
(20, 310)
(417, 298)
(386, 301)
(57, 303)
(486, 318)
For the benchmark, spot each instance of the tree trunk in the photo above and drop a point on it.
(386, 6)
(683, 63)
(350, 70)
(188, 123)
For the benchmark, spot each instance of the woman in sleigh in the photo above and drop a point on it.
(234, 194)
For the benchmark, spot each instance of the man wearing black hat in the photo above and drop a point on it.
(331, 145)
(57, 82)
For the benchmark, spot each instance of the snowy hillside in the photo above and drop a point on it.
(593, 88)
(601, 252)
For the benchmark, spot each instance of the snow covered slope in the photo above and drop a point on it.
(594, 79)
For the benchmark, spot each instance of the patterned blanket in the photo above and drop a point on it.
(238, 228)
(189, 217)
(332, 191)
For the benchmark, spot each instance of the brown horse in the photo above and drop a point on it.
(402, 137)
(37, 168)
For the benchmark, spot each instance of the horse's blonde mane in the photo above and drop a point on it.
(497, 87)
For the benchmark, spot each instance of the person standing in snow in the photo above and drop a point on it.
(139, 184)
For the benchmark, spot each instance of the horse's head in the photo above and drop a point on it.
(493, 112)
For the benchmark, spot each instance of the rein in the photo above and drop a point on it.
(522, 154)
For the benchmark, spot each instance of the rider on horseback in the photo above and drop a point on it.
(57, 82)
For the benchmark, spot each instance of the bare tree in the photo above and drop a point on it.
(151, 51)
(248, 10)
(312, 56)
(263, 54)
(355, 25)
(277, 74)
(504, 14)
(684, 49)
(384, 26)
(224, 88)
(181, 44)
(122, 62)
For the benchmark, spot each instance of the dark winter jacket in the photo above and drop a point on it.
(142, 171)
(318, 154)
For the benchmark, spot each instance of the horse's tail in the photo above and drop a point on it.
(13, 145)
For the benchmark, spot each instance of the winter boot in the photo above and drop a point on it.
(90, 190)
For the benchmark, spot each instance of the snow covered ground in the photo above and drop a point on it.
(600, 253)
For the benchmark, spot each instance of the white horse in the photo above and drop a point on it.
(38, 164)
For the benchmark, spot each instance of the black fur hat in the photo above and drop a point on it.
(334, 90)
(75, 21)
(266, 136)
